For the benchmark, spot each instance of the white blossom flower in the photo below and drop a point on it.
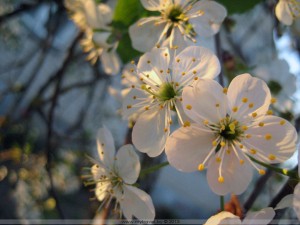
(262, 217)
(115, 174)
(278, 77)
(163, 79)
(94, 20)
(287, 10)
(231, 125)
(180, 21)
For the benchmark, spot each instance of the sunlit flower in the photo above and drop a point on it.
(163, 78)
(231, 126)
(262, 217)
(287, 10)
(180, 21)
(114, 176)
(94, 20)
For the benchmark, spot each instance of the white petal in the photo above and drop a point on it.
(97, 16)
(223, 218)
(101, 190)
(178, 41)
(148, 133)
(151, 63)
(236, 176)
(283, 13)
(98, 171)
(106, 146)
(180, 113)
(100, 38)
(137, 203)
(195, 59)
(296, 201)
(262, 217)
(204, 101)
(209, 23)
(281, 143)
(145, 37)
(285, 202)
(135, 96)
(254, 90)
(111, 62)
(128, 164)
(187, 147)
(151, 5)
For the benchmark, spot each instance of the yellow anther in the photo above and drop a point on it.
(268, 136)
(129, 106)
(221, 179)
(178, 60)
(285, 171)
(176, 84)
(252, 151)
(166, 130)
(261, 124)
(201, 167)
(272, 157)
(133, 86)
(222, 143)
(248, 136)
(161, 106)
(242, 161)
(282, 122)
(225, 90)
(158, 46)
(193, 59)
(141, 79)
(166, 54)
(223, 127)
(194, 72)
(134, 97)
(214, 143)
(205, 122)
(269, 112)
(186, 124)
(241, 146)
(153, 96)
(183, 73)
(148, 61)
(161, 71)
(168, 70)
(273, 100)
(171, 122)
(244, 127)
(143, 87)
(254, 114)
(262, 172)
(189, 107)
(235, 109)
(132, 62)
(180, 99)
(123, 76)
(245, 100)
(228, 151)
(218, 159)
(217, 105)
(147, 108)
(250, 105)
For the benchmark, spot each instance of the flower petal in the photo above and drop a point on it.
(97, 16)
(223, 218)
(236, 176)
(285, 202)
(195, 61)
(151, 5)
(187, 147)
(111, 62)
(296, 201)
(201, 103)
(149, 134)
(137, 203)
(147, 31)
(208, 23)
(249, 94)
(262, 217)
(106, 146)
(128, 164)
(101, 190)
(272, 136)
(283, 12)
(98, 171)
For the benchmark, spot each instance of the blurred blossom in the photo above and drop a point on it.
(3, 172)
(114, 176)
(178, 25)
(230, 126)
(262, 217)
(94, 20)
(163, 78)
(287, 11)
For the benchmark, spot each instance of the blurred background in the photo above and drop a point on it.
(53, 101)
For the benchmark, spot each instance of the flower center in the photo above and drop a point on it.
(275, 87)
(166, 92)
(174, 13)
(230, 129)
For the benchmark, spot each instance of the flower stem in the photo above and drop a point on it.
(222, 202)
(290, 173)
(153, 169)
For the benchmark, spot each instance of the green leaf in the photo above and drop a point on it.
(239, 6)
(125, 50)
